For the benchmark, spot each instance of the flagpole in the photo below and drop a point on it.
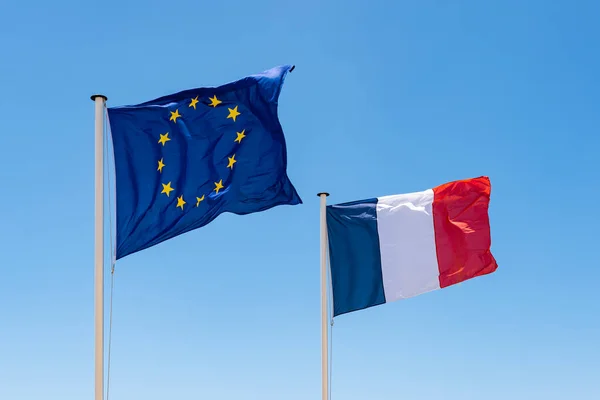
(99, 101)
(324, 353)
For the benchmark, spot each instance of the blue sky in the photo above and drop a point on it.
(387, 97)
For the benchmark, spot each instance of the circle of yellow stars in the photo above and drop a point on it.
(164, 138)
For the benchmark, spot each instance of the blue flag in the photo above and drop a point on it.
(183, 159)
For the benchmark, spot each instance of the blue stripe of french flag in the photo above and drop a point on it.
(395, 247)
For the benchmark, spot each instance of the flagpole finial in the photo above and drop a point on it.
(322, 193)
(93, 97)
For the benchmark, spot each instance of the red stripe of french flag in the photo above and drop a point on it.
(462, 230)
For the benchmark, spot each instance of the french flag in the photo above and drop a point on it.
(395, 247)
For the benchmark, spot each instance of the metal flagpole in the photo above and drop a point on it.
(324, 353)
(99, 246)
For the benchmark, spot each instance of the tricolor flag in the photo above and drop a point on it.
(400, 246)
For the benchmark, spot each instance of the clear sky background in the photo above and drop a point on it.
(387, 97)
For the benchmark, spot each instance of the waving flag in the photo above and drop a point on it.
(184, 159)
(395, 247)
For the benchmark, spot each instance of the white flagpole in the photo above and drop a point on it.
(324, 348)
(99, 101)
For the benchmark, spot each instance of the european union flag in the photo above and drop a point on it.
(183, 159)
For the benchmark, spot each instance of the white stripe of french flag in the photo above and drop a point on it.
(400, 246)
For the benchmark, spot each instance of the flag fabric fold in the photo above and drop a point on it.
(183, 159)
(396, 247)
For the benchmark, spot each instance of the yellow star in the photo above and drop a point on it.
(174, 116)
(164, 138)
(232, 161)
(199, 200)
(240, 136)
(194, 102)
(214, 101)
(233, 113)
(219, 186)
(167, 189)
(180, 202)
(160, 165)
